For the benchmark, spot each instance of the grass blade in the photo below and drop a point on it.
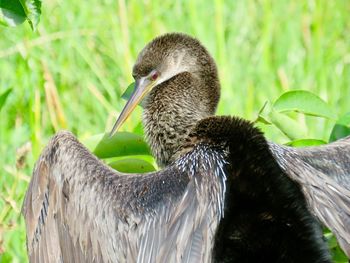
(4, 96)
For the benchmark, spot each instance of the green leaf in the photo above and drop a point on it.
(341, 129)
(331, 240)
(147, 158)
(305, 102)
(263, 119)
(306, 142)
(91, 142)
(15, 12)
(138, 129)
(263, 113)
(129, 90)
(121, 144)
(4, 96)
(337, 254)
(292, 129)
(33, 11)
(11, 13)
(132, 166)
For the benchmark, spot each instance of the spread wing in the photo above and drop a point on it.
(324, 175)
(77, 209)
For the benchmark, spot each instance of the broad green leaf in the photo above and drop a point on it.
(15, 12)
(292, 129)
(132, 166)
(341, 129)
(11, 13)
(4, 96)
(305, 102)
(138, 129)
(147, 158)
(121, 144)
(306, 142)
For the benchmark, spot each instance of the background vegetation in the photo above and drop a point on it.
(71, 72)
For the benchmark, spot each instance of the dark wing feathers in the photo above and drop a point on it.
(324, 175)
(333, 159)
(79, 210)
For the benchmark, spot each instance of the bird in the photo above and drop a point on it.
(223, 193)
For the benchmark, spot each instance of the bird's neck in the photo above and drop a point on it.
(172, 110)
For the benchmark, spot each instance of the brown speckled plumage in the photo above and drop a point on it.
(173, 108)
(224, 195)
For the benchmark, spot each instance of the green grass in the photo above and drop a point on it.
(85, 51)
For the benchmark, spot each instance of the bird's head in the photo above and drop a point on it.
(164, 58)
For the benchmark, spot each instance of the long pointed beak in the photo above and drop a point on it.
(142, 87)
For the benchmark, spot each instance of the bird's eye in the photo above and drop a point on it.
(154, 75)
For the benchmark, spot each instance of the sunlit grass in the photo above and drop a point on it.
(80, 61)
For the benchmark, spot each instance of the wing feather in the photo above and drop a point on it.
(324, 175)
(79, 210)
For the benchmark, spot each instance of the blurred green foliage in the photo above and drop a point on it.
(70, 73)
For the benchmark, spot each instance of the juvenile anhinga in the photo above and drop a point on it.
(225, 194)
